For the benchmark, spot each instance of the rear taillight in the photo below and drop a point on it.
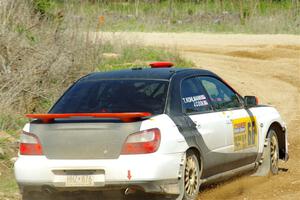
(142, 142)
(30, 144)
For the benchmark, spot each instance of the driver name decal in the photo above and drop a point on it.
(198, 101)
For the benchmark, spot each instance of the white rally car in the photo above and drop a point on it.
(160, 130)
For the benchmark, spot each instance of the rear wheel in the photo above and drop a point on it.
(192, 175)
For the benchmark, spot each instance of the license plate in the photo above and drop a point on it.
(79, 180)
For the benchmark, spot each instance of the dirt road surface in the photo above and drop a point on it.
(267, 66)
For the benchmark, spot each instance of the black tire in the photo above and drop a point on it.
(192, 174)
(274, 152)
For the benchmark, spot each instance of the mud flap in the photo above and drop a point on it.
(181, 189)
(181, 177)
(265, 162)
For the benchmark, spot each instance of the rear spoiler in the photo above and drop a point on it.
(125, 117)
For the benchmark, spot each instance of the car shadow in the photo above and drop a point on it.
(115, 195)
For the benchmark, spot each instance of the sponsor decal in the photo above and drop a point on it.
(198, 101)
(244, 133)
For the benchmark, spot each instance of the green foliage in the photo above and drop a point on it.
(43, 7)
(278, 16)
(8, 184)
(21, 29)
(138, 56)
(11, 121)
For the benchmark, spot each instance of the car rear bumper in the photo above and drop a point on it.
(151, 172)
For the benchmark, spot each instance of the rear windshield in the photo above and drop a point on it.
(100, 96)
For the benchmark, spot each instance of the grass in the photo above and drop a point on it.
(8, 185)
(42, 56)
(252, 16)
(133, 56)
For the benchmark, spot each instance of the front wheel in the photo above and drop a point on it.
(269, 164)
(274, 152)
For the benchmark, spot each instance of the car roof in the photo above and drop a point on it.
(148, 73)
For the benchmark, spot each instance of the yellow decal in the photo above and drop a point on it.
(244, 133)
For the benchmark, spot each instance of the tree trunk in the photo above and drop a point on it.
(137, 2)
(242, 16)
(222, 6)
(253, 10)
(170, 10)
(295, 9)
(206, 6)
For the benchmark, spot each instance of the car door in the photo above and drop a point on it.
(242, 139)
(212, 128)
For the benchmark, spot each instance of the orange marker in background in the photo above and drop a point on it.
(101, 20)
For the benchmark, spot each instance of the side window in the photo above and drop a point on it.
(220, 95)
(193, 97)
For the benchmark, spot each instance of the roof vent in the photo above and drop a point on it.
(161, 64)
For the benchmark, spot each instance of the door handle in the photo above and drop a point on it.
(228, 121)
(197, 124)
(179, 128)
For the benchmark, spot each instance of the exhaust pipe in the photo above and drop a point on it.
(129, 191)
(48, 190)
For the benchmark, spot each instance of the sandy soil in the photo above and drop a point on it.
(267, 66)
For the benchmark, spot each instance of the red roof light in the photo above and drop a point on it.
(161, 64)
